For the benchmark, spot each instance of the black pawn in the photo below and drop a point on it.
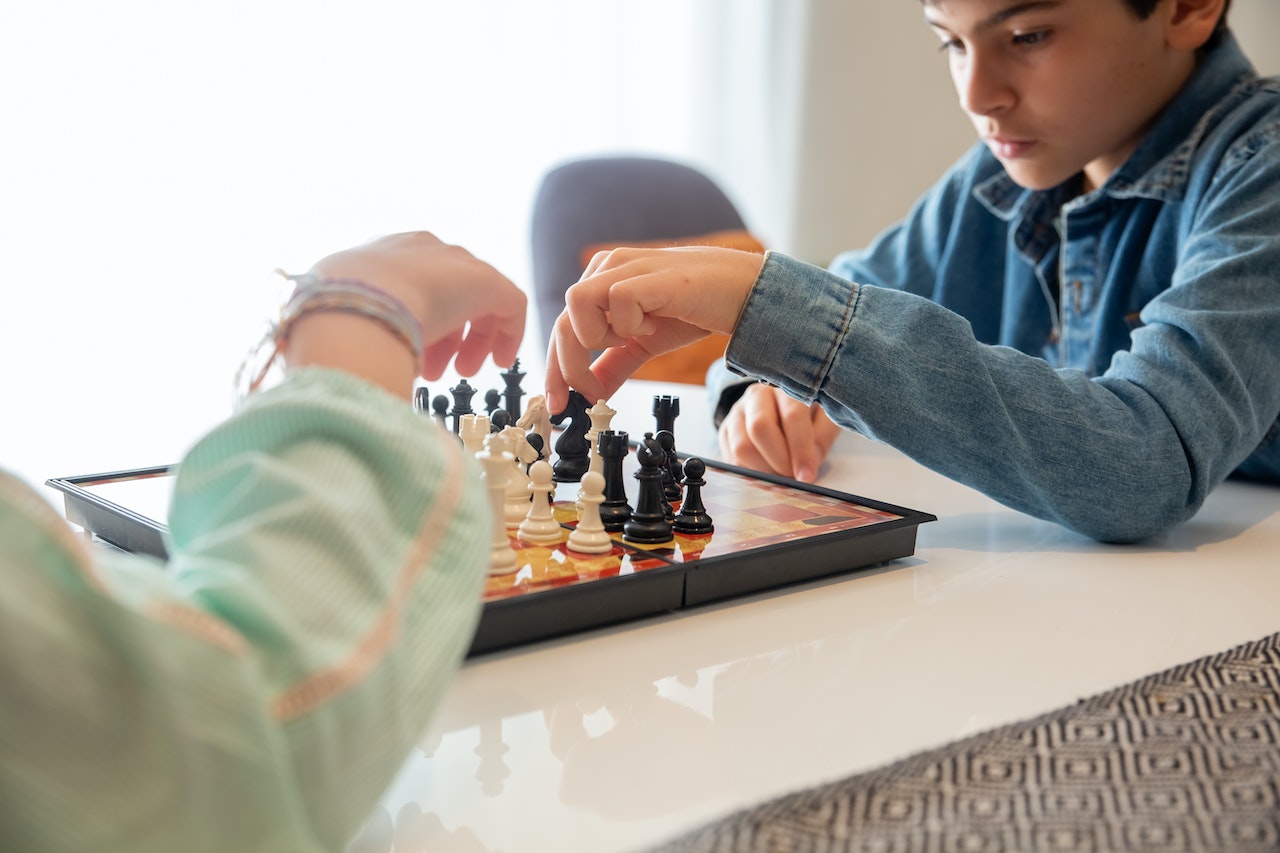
(499, 419)
(514, 393)
(535, 441)
(648, 524)
(693, 518)
(462, 394)
(422, 399)
(613, 447)
(492, 399)
(671, 478)
(440, 410)
(572, 448)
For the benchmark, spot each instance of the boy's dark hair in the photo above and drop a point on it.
(1143, 8)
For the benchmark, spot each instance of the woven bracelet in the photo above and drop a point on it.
(313, 294)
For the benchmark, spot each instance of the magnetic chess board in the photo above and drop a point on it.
(770, 532)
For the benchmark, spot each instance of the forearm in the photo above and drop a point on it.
(325, 580)
(1105, 457)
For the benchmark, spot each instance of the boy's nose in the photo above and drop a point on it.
(982, 86)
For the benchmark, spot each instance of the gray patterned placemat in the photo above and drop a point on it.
(1186, 759)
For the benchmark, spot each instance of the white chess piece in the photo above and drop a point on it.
(601, 419)
(515, 506)
(537, 419)
(473, 430)
(497, 465)
(590, 537)
(540, 526)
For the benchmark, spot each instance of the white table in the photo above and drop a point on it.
(617, 739)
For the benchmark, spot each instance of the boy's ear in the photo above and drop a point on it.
(1192, 22)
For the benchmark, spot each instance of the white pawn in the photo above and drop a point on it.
(590, 537)
(540, 526)
(497, 466)
(473, 430)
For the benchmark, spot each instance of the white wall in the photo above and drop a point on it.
(159, 159)
(858, 114)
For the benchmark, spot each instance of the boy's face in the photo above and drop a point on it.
(1056, 87)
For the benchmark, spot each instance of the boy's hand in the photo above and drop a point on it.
(768, 431)
(638, 303)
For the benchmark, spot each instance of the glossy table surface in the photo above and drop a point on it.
(619, 739)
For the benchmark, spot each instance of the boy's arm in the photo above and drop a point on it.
(1119, 457)
(771, 431)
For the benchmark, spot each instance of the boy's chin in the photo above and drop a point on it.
(1031, 178)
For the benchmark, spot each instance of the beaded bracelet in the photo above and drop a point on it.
(313, 294)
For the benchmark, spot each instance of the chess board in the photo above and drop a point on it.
(769, 532)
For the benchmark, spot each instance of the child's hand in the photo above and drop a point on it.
(768, 431)
(638, 303)
(464, 305)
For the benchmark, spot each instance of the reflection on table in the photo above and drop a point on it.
(620, 738)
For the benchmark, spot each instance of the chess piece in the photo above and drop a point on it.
(502, 559)
(671, 478)
(440, 410)
(473, 429)
(499, 420)
(692, 518)
(462, 393)
(515, 503)
(422, 399)
(589, 536)
(540, 526)
(601, 417)
(537, 419)
(492, 399)
(571, 447)
(665, 411)
(539, 446)
(648, 524)
(514, 393)
(614, 510)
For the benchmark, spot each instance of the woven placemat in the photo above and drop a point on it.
(1186, 759)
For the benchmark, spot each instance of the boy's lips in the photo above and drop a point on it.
(1009, 148)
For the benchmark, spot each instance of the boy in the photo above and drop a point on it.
(1081, 319)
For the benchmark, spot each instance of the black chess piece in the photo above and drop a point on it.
(573, 451)
(535, 441)
(499, 419)
(648, 524)
(462, 394)
(514, 393)
(492, 399)
(440, 410)
(668, 511)
(671, 477)
(693, 518)
(665, 411)
(613, 447)
(422, 399)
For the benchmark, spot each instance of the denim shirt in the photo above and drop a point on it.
(1101, 360)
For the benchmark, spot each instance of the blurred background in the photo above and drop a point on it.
(159, 159)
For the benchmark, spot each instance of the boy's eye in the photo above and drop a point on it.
(1030, 39)
(952, 45)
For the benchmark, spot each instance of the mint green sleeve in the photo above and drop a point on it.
(328, 551)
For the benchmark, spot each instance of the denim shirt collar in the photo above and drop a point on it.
(1158, 168)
